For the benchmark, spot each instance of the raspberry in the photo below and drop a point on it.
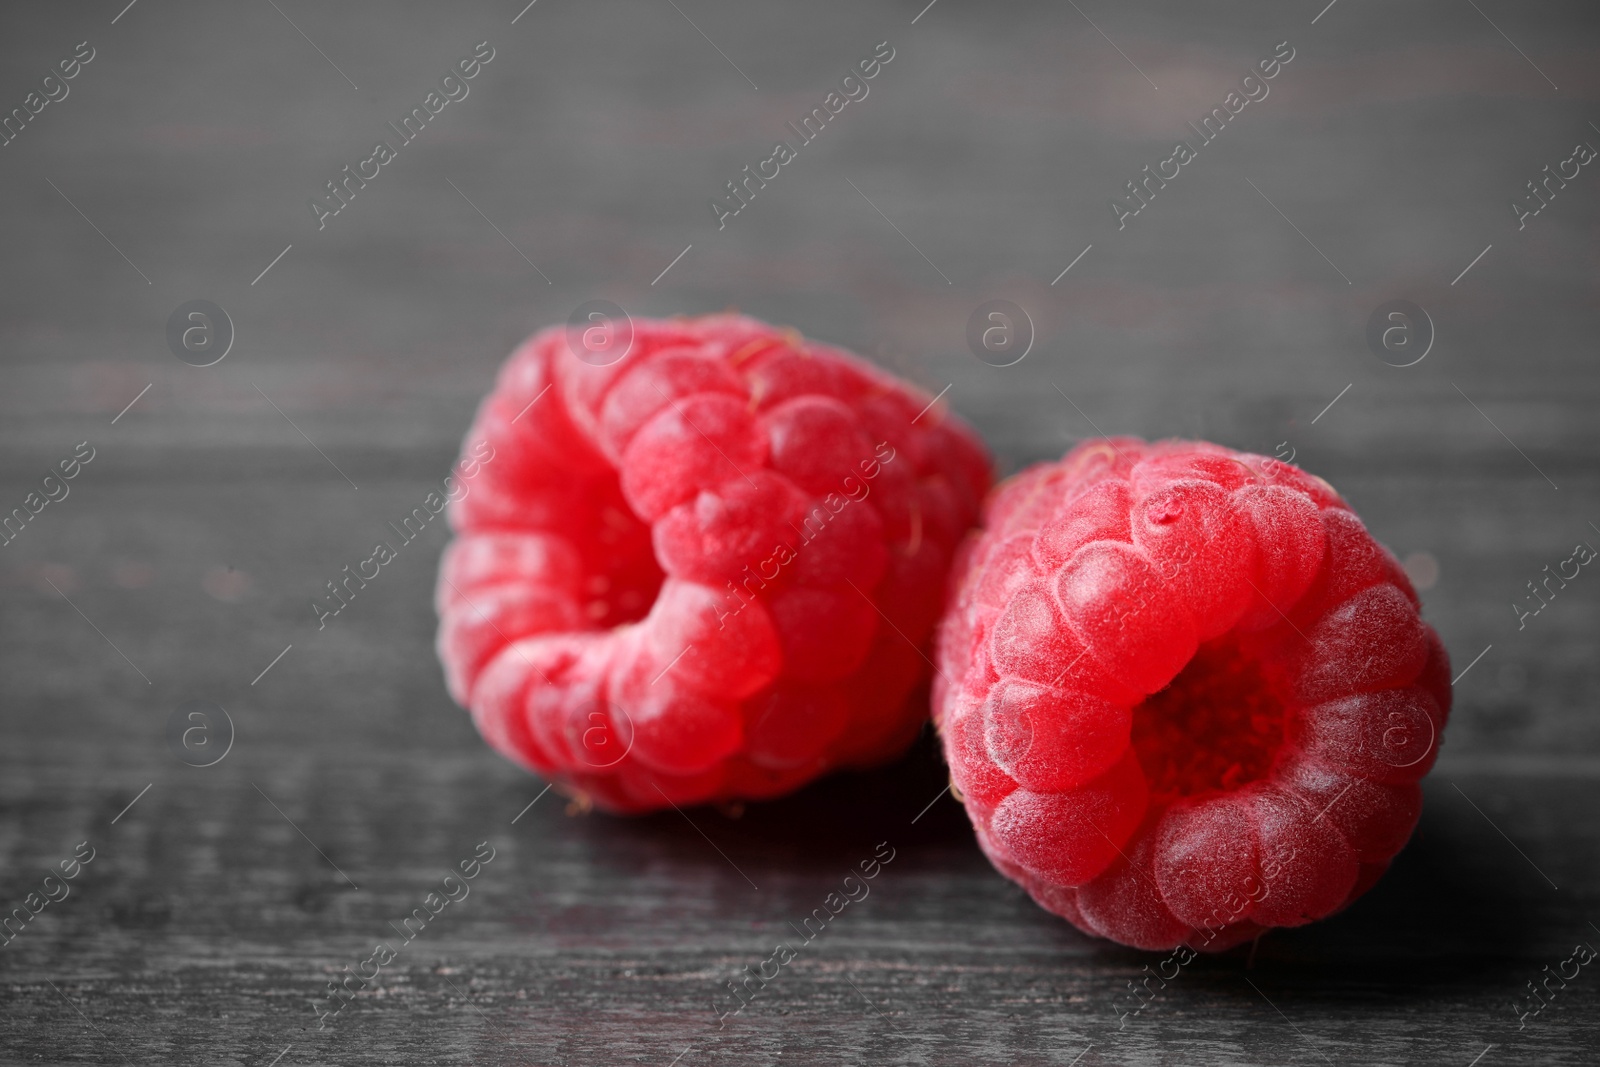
(705, 571)
(1184, 695)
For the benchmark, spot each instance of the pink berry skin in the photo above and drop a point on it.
(1184, 695)
(709, 570)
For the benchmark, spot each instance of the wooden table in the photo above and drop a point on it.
(580, 165)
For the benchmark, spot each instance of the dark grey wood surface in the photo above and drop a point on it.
(218, 906)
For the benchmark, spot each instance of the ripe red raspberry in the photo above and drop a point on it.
(703, 571)
(1183, 693)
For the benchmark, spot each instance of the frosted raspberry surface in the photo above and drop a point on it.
(1183, 693)
(708, 570)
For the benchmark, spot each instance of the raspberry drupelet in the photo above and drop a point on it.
(1184, 695)
(705, 571)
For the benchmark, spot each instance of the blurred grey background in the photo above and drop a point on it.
(982, 164)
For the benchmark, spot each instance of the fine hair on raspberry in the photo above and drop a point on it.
(1184, 695)
(707, 570)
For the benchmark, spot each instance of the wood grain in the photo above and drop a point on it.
(219, 906)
